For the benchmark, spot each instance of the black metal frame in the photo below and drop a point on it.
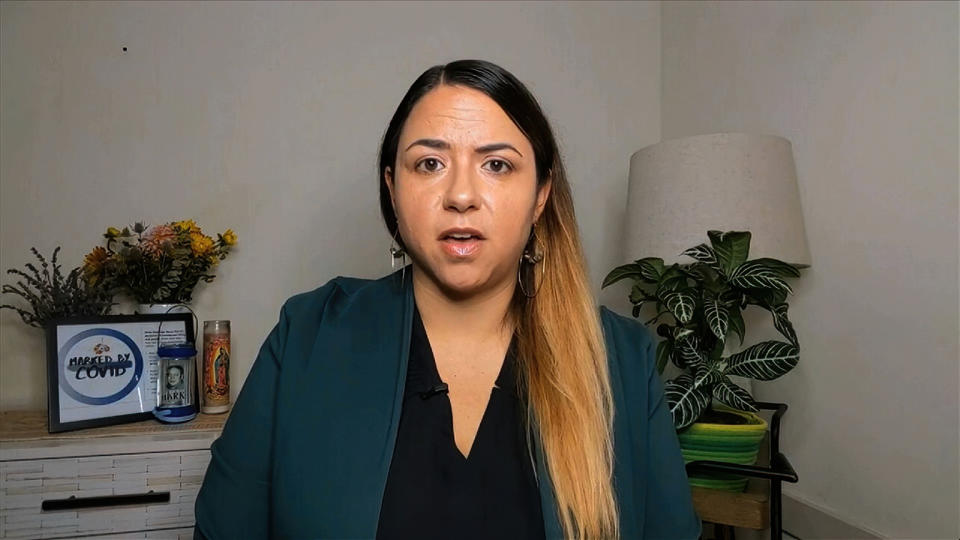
(779, 470)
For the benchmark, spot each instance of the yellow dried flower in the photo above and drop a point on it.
(229, 237)
(200, 244)
(95, 259)
(93, 264)
(186, 225)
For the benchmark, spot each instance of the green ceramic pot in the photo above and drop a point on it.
(730, 443)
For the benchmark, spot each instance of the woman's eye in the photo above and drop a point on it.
(499, 166)
(431, 164)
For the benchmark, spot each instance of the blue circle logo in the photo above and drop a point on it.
(90, 366)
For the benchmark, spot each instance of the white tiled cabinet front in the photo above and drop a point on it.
(119, 468)
(24, 485)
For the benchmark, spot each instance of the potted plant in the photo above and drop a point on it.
(703, 302)
(157, 266)
(51, 295)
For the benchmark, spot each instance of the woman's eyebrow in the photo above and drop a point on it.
(440, 144)
(494, 147)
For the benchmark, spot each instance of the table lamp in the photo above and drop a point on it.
(681, 188)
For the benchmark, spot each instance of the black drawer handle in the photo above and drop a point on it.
(73, 502)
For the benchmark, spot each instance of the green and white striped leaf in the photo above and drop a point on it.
(625, 271)
(705, 375)
(651, 268)
(686, 401)
(764, 361)
(680, 333)
(751, 275)
(681, 304)
(783, 324)
(781, 268)
(704, 253)
(687, 354)
(732, 395)
(731, 249)
(717, 314)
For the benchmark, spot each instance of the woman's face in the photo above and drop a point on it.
(464, 190)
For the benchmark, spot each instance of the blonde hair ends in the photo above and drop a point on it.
(562, 367)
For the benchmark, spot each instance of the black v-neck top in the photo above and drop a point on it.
(432, 490)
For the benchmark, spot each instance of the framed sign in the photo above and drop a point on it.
(103, 370)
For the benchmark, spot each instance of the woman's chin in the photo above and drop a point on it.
(462, 281)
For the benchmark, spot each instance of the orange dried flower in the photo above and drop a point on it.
(157, 238)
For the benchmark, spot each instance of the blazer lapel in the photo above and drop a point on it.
(339, 410)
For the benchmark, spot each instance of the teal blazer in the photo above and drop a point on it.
(307, 448)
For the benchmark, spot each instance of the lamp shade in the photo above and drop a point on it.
(681, 188)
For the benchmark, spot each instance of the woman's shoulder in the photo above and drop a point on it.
(341, 303)
(631, 353)
(625, 334)
(336, 291)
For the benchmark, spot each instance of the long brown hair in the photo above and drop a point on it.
(562, 361)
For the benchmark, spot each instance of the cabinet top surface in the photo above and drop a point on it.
(32, 426)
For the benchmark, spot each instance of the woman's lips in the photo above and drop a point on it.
(460, 249)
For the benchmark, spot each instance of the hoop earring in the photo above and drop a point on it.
(397, 252)
(532, 257)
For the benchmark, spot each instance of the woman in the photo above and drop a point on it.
(478, 392)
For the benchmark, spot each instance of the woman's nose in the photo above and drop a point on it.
(461, 194)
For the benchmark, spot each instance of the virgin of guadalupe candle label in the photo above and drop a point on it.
(216, 370)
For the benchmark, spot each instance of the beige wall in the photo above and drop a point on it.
(266, 118)
(867, 93)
